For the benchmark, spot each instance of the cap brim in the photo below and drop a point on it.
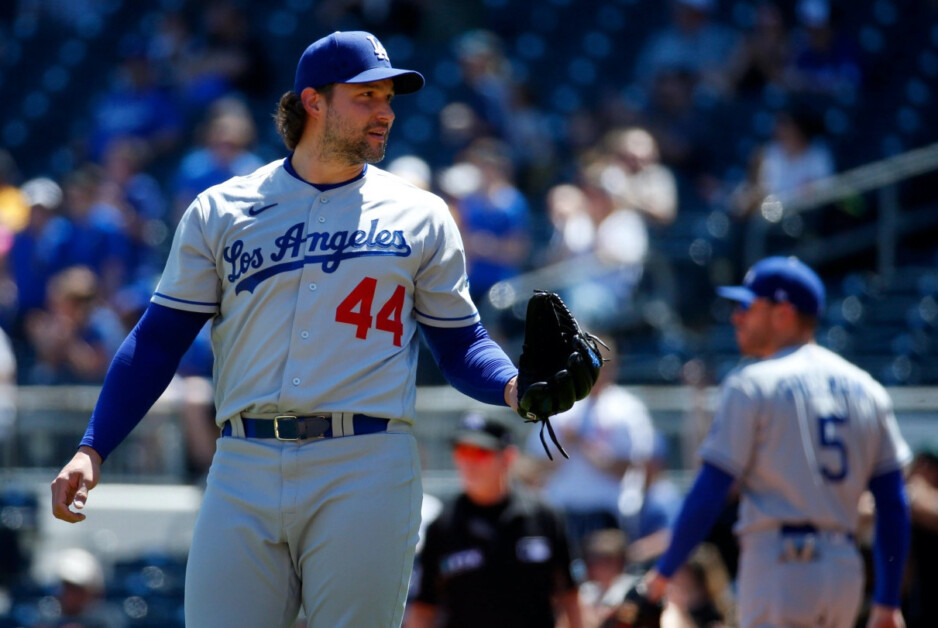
(405, 81)
(740, 294)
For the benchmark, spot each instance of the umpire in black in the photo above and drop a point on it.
(496, 555)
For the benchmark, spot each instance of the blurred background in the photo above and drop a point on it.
(628, 154)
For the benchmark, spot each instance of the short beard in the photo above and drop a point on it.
(338, 143)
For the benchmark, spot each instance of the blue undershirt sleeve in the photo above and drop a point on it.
(700, 511)
(139, 373)
(471, 361)
(892, 536)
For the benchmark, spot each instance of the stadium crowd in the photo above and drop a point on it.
(595, 154)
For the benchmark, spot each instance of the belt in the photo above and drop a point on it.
(805, 529)
(306, 427)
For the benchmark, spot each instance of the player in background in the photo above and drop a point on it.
(316, 271)
(805, 433)
(495, 555)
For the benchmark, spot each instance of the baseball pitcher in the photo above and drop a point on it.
(316, 272)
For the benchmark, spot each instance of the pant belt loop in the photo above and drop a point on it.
(237, 426)
(348, 424)
(337, 424)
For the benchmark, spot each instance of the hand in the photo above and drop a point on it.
(72, 484)
(511, 393)
(655, 585)
(885, 617)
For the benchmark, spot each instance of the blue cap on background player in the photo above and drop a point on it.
(474, 429)
(351, 57)
(783, 280)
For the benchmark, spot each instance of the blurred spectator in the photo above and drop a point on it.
(648, 528)
(694, 42)
(412, 169)
(227, 139)
(224, 57)
(761, 58)
(921, 606)
(38, 249)
(7, 392)
(606, 578)
(678, 124)
(74, 339)
(402, 17)
(486, 77)
(95, 235)
(824, 61)
(493, 219)
(14, 210)
(614, 242)
(142, 206)
(609, 437)
(796, 156)
(135, 105)
(80, 595)
(643, 184)
(495, 556)
(699, 595)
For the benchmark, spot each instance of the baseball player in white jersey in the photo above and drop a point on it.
(804, 433)
(316, 272)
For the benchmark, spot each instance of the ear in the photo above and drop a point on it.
(313, 101)
(785, 316)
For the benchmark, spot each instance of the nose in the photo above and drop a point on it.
(385, 113)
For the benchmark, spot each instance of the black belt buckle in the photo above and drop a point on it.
(290, 428)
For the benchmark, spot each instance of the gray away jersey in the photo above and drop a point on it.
(316, 294)
(804, 431)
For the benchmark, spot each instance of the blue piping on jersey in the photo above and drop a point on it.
(166, 296)
(438, 318)
(322, 187)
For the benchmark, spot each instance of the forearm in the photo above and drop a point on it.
(701, 509)
(892, 537)
(472, 362)
(139, 373)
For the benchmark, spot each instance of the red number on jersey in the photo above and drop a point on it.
(389, 316)
(355, 309)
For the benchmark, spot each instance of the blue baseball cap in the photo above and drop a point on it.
(351, 57)
(783, 280)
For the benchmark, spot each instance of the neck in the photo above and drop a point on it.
(488, 496)
(315, 167)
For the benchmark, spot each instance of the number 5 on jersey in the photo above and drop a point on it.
(355, 309)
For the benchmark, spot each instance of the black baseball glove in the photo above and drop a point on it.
(559, 363)
(637, 610)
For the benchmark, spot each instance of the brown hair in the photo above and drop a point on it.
(290, 117)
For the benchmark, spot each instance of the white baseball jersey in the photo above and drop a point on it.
(316, 294)
(804, 430)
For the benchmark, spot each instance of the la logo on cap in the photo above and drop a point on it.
(380, 52)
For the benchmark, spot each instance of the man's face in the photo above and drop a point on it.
(484, 473)
(754, 329)
(358, 120)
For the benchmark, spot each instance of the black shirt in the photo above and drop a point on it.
(494, 566)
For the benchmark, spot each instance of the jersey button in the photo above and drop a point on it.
(323, 199)
(304, 334)
(296, 381)
(322, 219)
(313, 287)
